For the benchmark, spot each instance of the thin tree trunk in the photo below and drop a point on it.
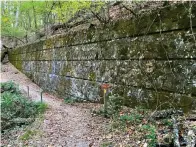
(17, 14)
(35, 20)
(3, 9)
(29, 19)
(61, 13)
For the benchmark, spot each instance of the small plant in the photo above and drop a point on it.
(131, 118)
(106, 144)
(27, 135)
(9, 86)
(151, 134)
(167, 122)
(41, 107)
(70, 100)
(114, 105)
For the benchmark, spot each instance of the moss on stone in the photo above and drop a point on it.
(123, 52)
(92, 76)
(48, 44)
(18, 65)
(90, 34)
(66, 70)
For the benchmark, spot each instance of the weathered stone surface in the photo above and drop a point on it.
(164, 75)
(150, 59)
(169, 45)
(165, 46)
(173, 75)
(154, 99)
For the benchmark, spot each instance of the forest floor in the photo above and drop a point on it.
(61, 125)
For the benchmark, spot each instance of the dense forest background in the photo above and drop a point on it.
(27, 21)
(21, 18)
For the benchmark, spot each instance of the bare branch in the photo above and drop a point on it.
(129, 10)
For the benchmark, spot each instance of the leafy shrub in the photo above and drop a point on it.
(15, 105)
(10, 86)
(41, 107)
(27, 135)
(114, 104)
(131, 118)
(167, 122)
(150, 135)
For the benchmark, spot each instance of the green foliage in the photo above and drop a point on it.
(99, 112)
(10, 32)
(15, 105)
(151, 134)
(27, 135)
(131, 118)
(70, 100)
(92, 76)
(10, 86)
(41, 107)
(114, 105)
(167, 122)
(127, 120)
(22, 17)
(106, 144)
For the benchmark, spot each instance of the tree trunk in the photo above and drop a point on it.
(17, 14)
(29, 19)
(35, 20)
(3, 9)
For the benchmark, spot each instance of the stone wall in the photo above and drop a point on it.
(149, 59)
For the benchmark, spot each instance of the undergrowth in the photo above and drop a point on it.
(127, 121)
(150, 131)
(114, 105)
(72, 100)
(15, 106)
(27, 135)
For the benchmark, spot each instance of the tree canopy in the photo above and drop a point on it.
(19, 18)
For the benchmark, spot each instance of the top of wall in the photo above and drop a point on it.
(167, 19)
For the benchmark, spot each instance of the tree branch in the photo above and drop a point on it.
(129, 10)
(98, 17)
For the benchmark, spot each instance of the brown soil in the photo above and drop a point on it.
(62, 124)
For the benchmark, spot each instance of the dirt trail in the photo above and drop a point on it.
(63, 125)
